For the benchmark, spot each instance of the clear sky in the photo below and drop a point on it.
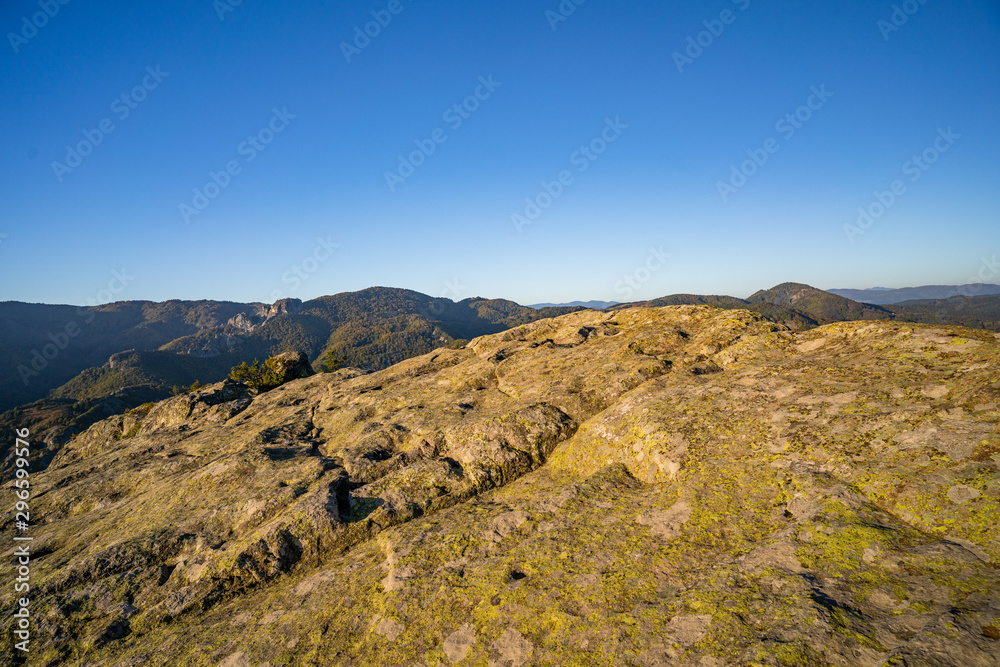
(311, 118)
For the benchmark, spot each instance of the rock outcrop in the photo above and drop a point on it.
(293, 365)
(246, 322)
(653, 486)
(262, 313)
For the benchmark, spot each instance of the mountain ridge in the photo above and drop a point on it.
(885, 296)
(596, 305)
(134, 357)
(375, 327)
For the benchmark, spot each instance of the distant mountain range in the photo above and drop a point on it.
(138, 350)
(884, 296)
(877, 295)
(595, 305)
(63, 367)
(801, 307)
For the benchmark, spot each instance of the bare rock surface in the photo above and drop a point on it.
(652, 486)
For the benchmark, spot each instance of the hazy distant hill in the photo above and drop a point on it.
(44, 346)
(790, 317)
(882, 296)
(818, 304)
(801, 307)
(980, 312)
(596, 305)
(138, 350)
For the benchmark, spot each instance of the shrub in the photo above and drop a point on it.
(262, 378)
(177, 391)
(332, 361)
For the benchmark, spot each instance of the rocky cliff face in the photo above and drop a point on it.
(654, 486)
(262, 313)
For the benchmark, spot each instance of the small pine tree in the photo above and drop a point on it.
(332, 361)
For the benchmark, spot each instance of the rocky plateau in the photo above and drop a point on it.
(644, 487)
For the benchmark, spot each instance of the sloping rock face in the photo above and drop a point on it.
(671, 486)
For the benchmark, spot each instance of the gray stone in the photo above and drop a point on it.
(961, 494)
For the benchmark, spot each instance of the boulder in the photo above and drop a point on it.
(293, 365)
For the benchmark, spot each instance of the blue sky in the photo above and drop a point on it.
(639, 215)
